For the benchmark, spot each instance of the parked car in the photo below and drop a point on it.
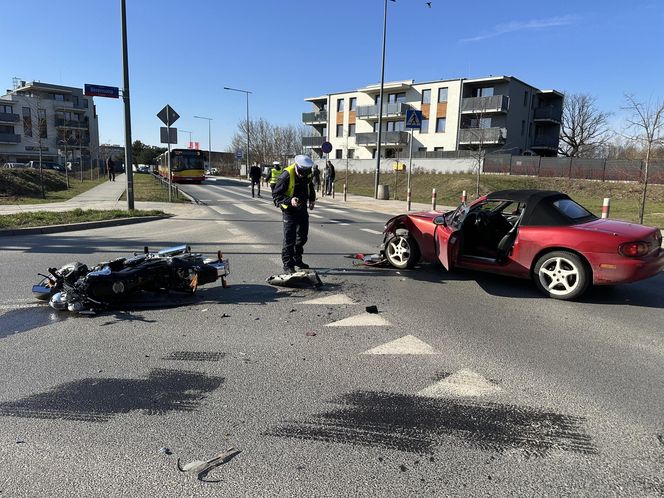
(47, 165)
(542, 235)
(141, 168)
(14, 165)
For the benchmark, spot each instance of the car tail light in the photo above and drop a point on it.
(634, 249)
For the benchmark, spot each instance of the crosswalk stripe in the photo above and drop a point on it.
(219, 210)
(369, 230)
(249, 209)
(362, 320)
(236, 231)
(463, 383)
(408, 344)
(315, 215)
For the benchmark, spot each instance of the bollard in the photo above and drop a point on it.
(345, 192)
(433, 200)
(464, 197)
(605, 207)
(408, 198)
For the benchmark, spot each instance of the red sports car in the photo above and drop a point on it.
(538, 234)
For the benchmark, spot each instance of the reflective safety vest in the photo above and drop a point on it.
(274, 174)
(291, 183)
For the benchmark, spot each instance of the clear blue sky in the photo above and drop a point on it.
(184, 53)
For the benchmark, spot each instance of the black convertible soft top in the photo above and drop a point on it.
(540, 210)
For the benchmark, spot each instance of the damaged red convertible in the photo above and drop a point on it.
(534, 234)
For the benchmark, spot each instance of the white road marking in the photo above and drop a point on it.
(18, 306)
(463, 383)
(333, 210)
(333, 221)
(334, 299)
(236, 231)
(276, 261)
(369, 230)
(315, 215)
(406, 345)
(219, 210)
(249, 209)
(363, 320)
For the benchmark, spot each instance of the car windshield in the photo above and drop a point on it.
(455, 218)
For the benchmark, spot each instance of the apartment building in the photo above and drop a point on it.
(59, 120)
(498, 114)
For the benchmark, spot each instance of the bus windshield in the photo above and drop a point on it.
(181, 162)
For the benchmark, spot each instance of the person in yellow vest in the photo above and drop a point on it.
(275, 171)
(294, 193)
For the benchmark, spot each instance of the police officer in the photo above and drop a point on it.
(274, 174)
(294, 193)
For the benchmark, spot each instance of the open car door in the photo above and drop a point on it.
(448, 243)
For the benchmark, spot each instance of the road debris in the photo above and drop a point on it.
(310, 334)
(372, 309)
(200, 468)
(304, 278)
(165, 451)
(368, 259)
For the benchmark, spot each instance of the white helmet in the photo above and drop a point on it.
(303, 163)
(275, 163)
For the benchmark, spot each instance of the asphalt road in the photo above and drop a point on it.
(462, 385)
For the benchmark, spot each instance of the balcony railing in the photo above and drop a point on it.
(314, 117)
(548, 114)
(66, 123)
(8, 117)
(10, 138)
(312, 141)
(545, 142)
(387, 137)
(482, 135)
(394, 109)
(479, 105)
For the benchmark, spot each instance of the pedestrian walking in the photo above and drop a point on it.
(110, 169)
(294, 193)
(255, 176)
(275, 172)
(329, 177)
(316, 179)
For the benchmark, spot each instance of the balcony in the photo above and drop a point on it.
(551, 114)
(387, 138)
(545, 142)
(486, 136)
(483, 105)
(10, 138)
(392, 110)
(314, 117)
(312, 141)
(66, 123)
(8, 117)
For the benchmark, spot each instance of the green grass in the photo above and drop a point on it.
(148, 188)
(23, 186)
(45, 218)
(625, 197)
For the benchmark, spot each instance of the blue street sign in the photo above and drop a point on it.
(112, 92)
(326, 147)
(238, 155)
(413, 119)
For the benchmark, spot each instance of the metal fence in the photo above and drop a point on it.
(575, 168)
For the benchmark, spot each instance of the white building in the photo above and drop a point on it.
(59, 120)
(498, 113)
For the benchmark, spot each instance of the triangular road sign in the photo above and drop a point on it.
(363, 320)
(406, 345)
(463, 383)
(334, 299)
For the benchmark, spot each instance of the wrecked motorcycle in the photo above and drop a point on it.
(77, 288)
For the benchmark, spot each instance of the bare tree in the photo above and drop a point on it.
(646, 125)
(268, 142)
(584, 129)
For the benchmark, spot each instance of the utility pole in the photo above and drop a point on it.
(127, 117)
(246, 92)
(380, 103)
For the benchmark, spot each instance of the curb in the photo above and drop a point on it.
(86, 225)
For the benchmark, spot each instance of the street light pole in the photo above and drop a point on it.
(185, 131)
(125, 98)
(380, 103)
(246, 92)
(209, 120)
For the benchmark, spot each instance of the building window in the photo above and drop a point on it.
(6, 108)
(351, 130)
(58, 96)
(352, 104)
(323, 132)
(340, 105)
(340, 130)
(27, 122)
(523, 127)
(438, 149)
(375, 127)
(440, 125)
(41, 123)
(424, 126)
(426, 96)
(394, 98)
(373, 153)
(85, 103)
(350, 154)
(483, 92)
(74, 99)
(377, 99)
(442, 95)
(421, 149)
(7, 129)
(324, 108)
(396, 126)
(338, 153)
(525, 99)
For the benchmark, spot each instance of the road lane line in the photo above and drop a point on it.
(219, 210)
(369, 230)
(236, 231)
(249, 209)
(333, 210)
(315, 215)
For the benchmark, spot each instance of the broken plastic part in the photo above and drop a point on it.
(200, 468)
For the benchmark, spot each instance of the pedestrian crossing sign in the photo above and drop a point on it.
(413, 118)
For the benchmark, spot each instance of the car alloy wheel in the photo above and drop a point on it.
(561, 275)
(401, 251)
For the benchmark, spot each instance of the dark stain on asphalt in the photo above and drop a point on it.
(418, 424)
(98, 399)
(25, 319)
(194, 356)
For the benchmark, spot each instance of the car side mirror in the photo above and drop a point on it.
(440, 220)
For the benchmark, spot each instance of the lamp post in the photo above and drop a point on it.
(209, 141)
(185, 131)
(380, 103)
(127, 109)
(246, 92)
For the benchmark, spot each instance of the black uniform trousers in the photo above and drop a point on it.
(296, 231)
